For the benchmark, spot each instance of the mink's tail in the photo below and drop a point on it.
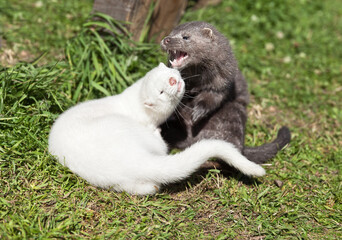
(172, 168)
(267, 151)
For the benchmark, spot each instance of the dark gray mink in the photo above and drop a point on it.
(216, 98)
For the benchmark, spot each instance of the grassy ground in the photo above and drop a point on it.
(33, 27)
(289, 51)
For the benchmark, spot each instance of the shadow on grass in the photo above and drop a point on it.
(196, 178)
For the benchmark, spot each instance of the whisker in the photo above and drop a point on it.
(188, 96)
(196, 75)
(178, 114)
(166, 123)
(183, 105)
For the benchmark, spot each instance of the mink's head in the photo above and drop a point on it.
(194, 43)
(162, 89)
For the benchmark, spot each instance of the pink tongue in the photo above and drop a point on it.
(180, 54)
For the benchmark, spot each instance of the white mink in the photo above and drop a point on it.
(114, 142)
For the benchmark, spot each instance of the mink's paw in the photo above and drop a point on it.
(198, 113)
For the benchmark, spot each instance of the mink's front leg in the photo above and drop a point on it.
(204, 104)
(208, 100)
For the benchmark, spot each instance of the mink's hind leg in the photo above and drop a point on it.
(227, 124)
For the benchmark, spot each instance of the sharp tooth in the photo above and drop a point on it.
(171, 62)
(174, 51)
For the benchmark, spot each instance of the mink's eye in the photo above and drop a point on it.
(186, 37)
(161, 92)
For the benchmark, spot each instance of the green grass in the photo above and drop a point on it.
(289, 51)
(34, 27)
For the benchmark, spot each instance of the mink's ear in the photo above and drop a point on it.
(148, 104)
(161, 64)
(207, 32)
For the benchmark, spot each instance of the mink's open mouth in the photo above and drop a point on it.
(177, 58)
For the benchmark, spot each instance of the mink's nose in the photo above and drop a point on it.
(167, 40)
(172, 81)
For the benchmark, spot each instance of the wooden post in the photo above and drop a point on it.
(133, 11)
(165, 17)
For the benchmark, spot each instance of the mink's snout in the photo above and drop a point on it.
(164, 43)
(166, 40)
(172, 81)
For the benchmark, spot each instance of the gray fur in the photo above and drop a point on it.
(216, 98)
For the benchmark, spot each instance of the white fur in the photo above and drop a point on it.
(114, 142)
